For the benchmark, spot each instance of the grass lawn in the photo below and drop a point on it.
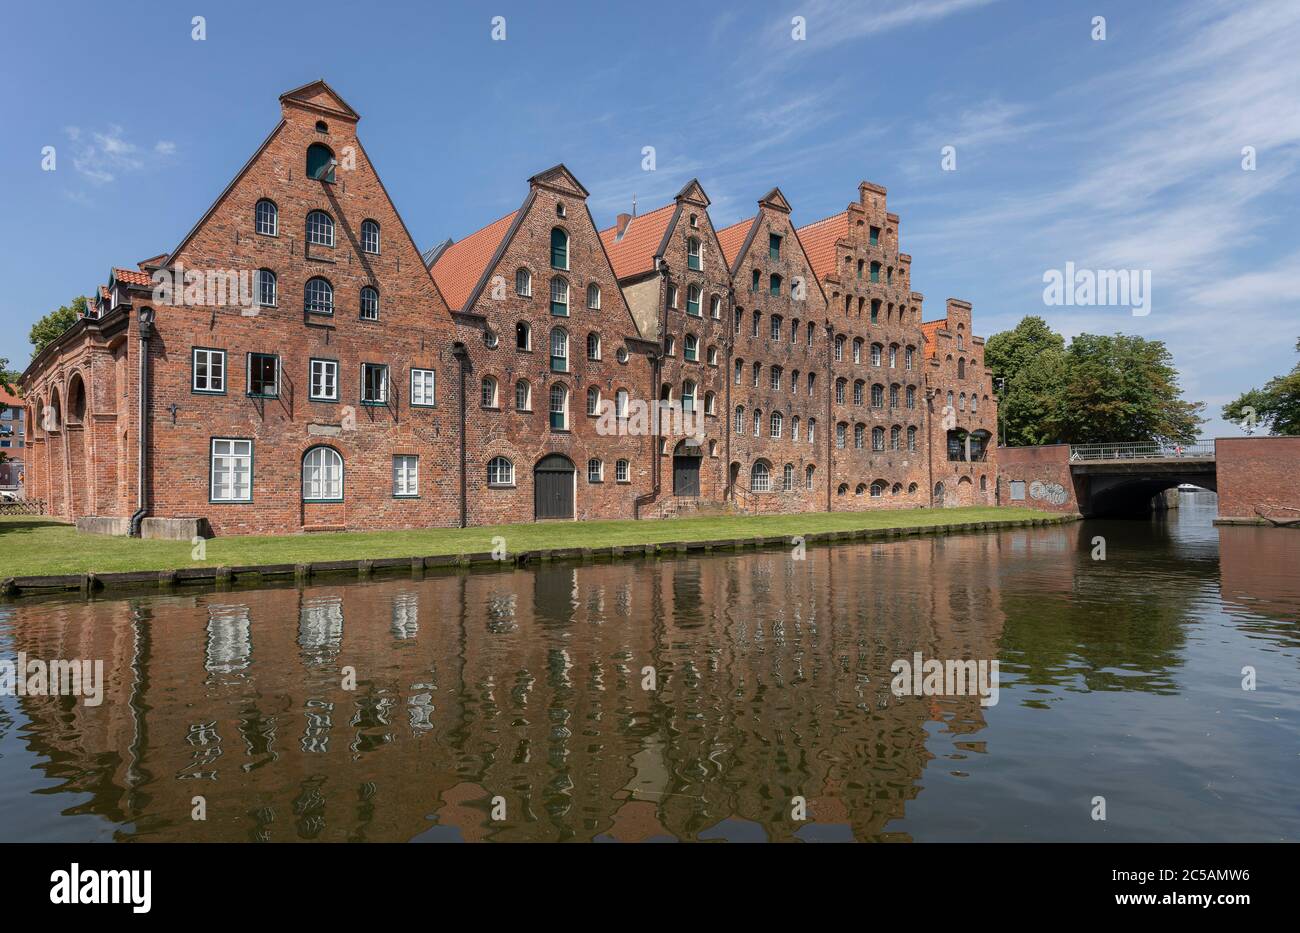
(32, 546)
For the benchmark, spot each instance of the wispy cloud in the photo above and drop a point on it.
(102, 156)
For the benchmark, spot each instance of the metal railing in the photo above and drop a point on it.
(1142, 450)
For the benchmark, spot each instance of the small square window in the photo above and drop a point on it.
(263, 375)
(374, 384)
(406, 477)
(423, 388)
(209, 371)
(324, 386)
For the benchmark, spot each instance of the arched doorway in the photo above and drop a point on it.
(686, 469)
(553, 487)
(938, 495)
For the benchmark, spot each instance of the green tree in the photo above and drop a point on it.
(1099, 388)
(49, 328)
(1276, 406)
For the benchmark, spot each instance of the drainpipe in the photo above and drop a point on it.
(145, 329)
(461, 354)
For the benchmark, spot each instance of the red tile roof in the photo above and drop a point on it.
(819, 241)
(929, 328)
(732, 238)
(635, 252)
(461, 265)
(8, 398)
(132, 277)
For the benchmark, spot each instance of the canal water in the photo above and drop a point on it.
(513, 705)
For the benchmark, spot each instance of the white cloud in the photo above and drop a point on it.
(103, 155)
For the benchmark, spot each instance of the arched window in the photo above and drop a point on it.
(559, 407)
(839, 348)
(688, 396)
(911, 438)
(860, 489)
(593, 401)
(876, 351)
(974, 403)
(740, 371)
(267, 294)
(859, 436)
(320, 229)
(950, 398)
(369, 304)
(857, 349)
(559, 297)
(693, 300)
(593, 296)
(559, 248)
(877, 396)
(320, 162)
(911, 396)
(776, 423)
(559, 350)
(839, 391)
(268, 218)
(595, 470)
(841, 435)
(369, 236)
(809, 473)
(712, 356)
(621, 398)
(787, 478)
(692, 253)
(961, 402)
(908, 356)
(895, 437)
(710, 403)
(523, 283)
(322, 475)
(961, 368)
(488, 392)
(523, 336)
(893, 396)
(318, 297)
(691, 348)
(893, 355)
(794, 428)
(812, 430)
(877, 489)
(738, 421)
(622, 471)
(593, 346)
(715, 307)
(877, 438)
(523, 396)
(760, 477)
(500, 472)
(859, 387)
(758, 422)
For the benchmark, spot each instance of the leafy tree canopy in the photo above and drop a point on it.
(1275, 408)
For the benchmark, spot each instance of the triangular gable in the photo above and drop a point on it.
(693, 192)
(317, 95)
(776, 201)
(559, 178)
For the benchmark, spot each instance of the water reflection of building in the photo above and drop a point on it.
(772, 681)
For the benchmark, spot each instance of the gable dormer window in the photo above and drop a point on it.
(560, 209)
(320, 162)
(322, 126)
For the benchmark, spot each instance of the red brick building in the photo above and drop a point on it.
(296, 363)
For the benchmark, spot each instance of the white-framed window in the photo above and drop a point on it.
(775, 422)
(324, 384)
(209, 371)
(787, 478)
(374, 383)
(268, 218)
(593, 346)
(322, 475)
(712, 356)
(715, 307)
(559, 297)
(266, 288)
(488, 392)
(406, 476)
(622, 471)
(760, 477)
(320, 229)
(593, 401)
(523, 283)
(559, 350)
(231, 470)
(692, 253)
(369, 236)
(318, 296)
(424, 386)
(593, 296)
(559, 407)
(595, 470)
(500, 472)
(621, 398)
(369, 304)
(691, 349)
(523, 396)
(693, 300)
(688, 396)
(876, 351)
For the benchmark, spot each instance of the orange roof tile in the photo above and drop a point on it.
(732, 238)
(635, 252)
(929, 328)
(461, 265)
(132, 276)
(819, 241)
(9, 398)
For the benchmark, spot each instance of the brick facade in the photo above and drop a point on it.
(353, 415)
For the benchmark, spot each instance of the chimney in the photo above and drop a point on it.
(623, 220)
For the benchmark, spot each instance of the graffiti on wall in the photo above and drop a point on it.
(1053, 493)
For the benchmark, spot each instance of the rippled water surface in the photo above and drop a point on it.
(1120, 678)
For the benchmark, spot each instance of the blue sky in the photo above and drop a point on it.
(1115, 154)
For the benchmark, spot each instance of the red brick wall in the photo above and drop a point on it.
(957, 367)
(526, 437)
(791, 356)
(1258, 473)
(1044, 471)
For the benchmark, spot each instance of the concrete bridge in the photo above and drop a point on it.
(1257, 478)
